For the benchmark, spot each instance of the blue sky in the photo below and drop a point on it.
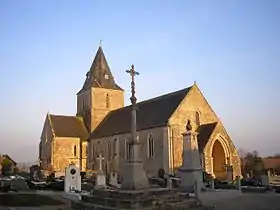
(230, 48)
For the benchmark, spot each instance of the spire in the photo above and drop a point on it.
(100, 74)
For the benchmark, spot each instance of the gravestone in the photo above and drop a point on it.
(100, 176)
(229, 173)
(72, 180)
(265, 180)
(238, 183)
(114, 180)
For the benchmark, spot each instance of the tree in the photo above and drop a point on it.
(253, 164)
(277, 170)
(6, 166)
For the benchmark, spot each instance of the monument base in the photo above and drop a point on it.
(136, 179)
(137, 199)
(190, 177)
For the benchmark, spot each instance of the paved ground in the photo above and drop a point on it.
(245, 201)
(222, 200)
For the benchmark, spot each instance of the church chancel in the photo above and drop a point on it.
(160, 124)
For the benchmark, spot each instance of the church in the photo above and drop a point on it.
(102, 126)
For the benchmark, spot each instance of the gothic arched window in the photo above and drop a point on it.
(107, 101)
(151, 144)
(109, 151)
(127, 149)
(75, 150)
(115, 147)
(197, 118)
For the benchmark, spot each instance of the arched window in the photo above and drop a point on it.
(151, 151)
(75, 151)
(107, 101)
(109, 151)
(115, 147)
(92, 152)
(127, 149)
(197, 118)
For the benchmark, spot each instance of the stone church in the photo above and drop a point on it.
(102, 126)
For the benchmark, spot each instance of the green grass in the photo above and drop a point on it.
(28, 200)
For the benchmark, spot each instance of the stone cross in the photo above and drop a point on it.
(100, 158)
(132, 73)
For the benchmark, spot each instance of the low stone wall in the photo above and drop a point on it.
(146, 200)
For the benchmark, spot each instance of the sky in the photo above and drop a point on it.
(230, 48)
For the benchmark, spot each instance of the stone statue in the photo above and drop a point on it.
(189, 126)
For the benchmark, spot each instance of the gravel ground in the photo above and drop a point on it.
(246, 201)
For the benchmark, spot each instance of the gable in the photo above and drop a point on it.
(68, 126)
(192, 103)
(151, 113)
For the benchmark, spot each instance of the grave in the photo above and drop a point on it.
(114, 180)
(72, 182)
(135, 192)
(100, 176)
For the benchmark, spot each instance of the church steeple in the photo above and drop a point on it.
(100, 74)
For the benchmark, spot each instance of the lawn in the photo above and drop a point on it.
(28, 200)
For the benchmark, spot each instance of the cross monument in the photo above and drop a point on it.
(134, 175)
(100, 159)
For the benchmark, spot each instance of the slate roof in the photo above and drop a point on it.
(9, 158)
(100, 74)
(204, 133)
(68, 126)
(151, 113)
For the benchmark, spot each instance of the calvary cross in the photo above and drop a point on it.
(100, 158)
(132, 72)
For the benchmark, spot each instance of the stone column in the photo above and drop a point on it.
(190, 171)
(134, 176)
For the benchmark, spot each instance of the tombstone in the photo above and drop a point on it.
(238, 183)
(72, 180)
(114, 180)
(229, 173)
(212, 183)
(100, 176)
(265, 180)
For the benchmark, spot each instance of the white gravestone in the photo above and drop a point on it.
(100, 177)
(114, 180)
(72, 179)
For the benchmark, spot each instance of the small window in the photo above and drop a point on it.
(115, 147)
(197, 118)
(150, 146)
(107, 101)
(92, 153)
(75, 151)
(127, 149)
(109, 151)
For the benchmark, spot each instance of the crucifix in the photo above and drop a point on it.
(132, 73)
(100, 158)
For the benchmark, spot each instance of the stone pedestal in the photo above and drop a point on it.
(190, 171)
(134, 176)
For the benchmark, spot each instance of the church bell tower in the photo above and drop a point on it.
(100, 94)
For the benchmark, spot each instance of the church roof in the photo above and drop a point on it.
(68, 126)
(204, 133)
(151, 113)
(100, 74)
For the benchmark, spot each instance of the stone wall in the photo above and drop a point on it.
(46, 142)
(151, 164)
(63, 153)
(99, 103)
